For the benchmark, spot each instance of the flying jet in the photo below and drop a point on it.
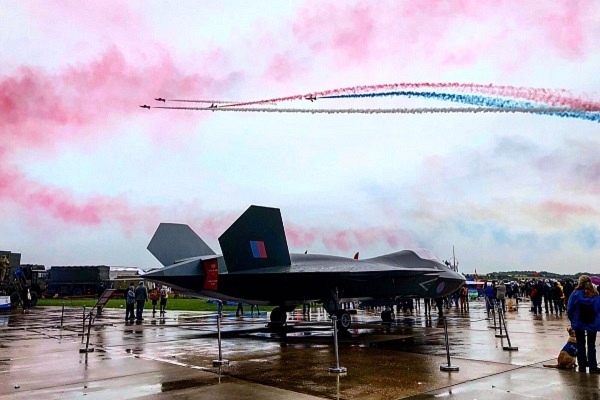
(257, 268)
(145, 106)
(310, 97)
(160, 99)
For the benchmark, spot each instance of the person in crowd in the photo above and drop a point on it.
(439, 302)
(490, 297)
(501, 294)
(583, 311)
(427, 306)
(4, 267)
(567, 290)
(163, 299)
(129, 302)
(456, 298)
(546, 295)
(141, 297)
(463, 294)
(20, 276)
(154, 297)
(509, 290)
(558, 298)
(536, 296)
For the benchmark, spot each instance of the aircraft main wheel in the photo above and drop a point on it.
(344, 320)
(278, 316)
(388, 316)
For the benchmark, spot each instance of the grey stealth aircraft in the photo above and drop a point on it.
(257, 268)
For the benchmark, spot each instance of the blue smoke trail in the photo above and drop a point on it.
(477, 100)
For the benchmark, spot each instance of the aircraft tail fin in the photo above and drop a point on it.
(255, 240)
(175, 242)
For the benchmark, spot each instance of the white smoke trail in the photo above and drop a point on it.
(429, 110)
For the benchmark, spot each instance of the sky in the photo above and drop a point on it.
(86, 175)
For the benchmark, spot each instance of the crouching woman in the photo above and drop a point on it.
(583, 310)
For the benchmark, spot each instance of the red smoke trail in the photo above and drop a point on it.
(42, 111)
(551, 97)
(63, 206)
(348, 240)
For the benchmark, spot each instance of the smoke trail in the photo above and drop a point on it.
(560, 111)
(552, 97)
(483, 101)
(347, 240)
(204, 101)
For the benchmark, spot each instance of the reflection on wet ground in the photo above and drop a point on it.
(172, 357)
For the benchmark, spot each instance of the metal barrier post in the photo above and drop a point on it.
(500, 318)
(62, 315)
(447, 367)
(337, 369)
(220, 361)
(87, 343)
(509, 347)
(493, 307)
(83, 326)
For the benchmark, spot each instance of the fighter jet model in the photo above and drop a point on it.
(160, 99)
(310, 97)
(257, 268)
(145, 106)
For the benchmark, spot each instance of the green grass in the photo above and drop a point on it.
(181, 304)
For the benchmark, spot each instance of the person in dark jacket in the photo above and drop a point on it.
(141, 297)
(567, 290)
(536, 296)
(545, 289)
(584, 310)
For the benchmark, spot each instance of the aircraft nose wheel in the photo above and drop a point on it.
(344, 320)
(388, 315)
(278, 317)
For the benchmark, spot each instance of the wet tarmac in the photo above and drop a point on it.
(42, 356)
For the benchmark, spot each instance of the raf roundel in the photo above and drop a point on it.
(440, 287)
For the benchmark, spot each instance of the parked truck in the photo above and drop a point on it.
(77, 281)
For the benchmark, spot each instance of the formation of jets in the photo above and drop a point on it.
(214, 103)
(257, 268)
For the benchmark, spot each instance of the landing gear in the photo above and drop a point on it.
(278, 317)
(388, 315)
(343, 320)
(332, 306)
